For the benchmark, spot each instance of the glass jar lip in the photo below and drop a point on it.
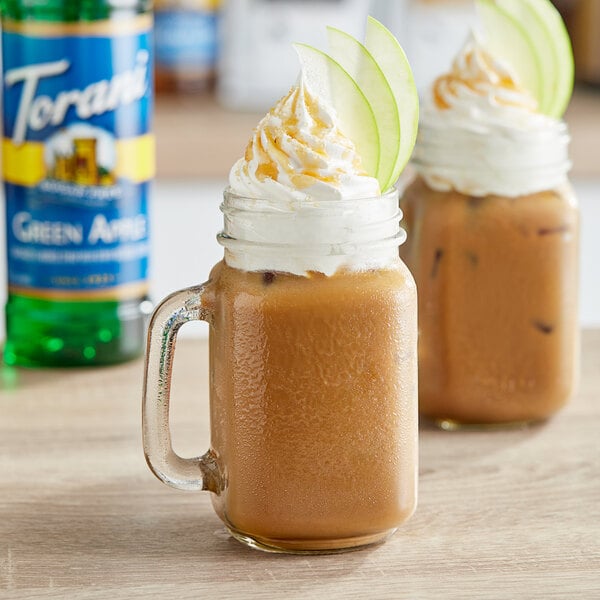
(298, 236)
(380, 226)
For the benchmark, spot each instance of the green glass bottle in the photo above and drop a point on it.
(78, 161)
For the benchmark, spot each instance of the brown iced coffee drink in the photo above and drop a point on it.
(498, 303)
(493, 245)
(313, 320)
(312, 385)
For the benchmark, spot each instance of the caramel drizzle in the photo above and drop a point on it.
(479, 75)
(265, 145)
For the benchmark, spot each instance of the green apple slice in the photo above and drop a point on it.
(361, 66)
(508, 39)
(543, 45)
(565, 68)
(328, 80)
(390, 57)
(553, 47)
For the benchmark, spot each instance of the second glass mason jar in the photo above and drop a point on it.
(313, 376)
(497, 278)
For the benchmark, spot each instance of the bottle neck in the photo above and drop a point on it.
(299, 237)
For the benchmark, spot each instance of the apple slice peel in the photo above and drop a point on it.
(362, 67)
(389, 55)
(507, 39)
(532, 37)
(327, 79)
(372, 89)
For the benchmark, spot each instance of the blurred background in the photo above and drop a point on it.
(221, 64)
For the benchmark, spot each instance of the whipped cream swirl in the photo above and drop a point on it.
(480, 133)
(297, 152)
(299, 201)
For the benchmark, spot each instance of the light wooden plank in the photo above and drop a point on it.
(506, 514)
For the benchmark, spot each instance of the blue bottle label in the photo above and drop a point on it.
(78, 157)
(186, 38)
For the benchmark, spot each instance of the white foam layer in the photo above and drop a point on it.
(480, 133)
(311, 235)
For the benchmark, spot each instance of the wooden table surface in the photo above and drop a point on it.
(505, 514)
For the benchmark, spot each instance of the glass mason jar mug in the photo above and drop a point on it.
(498, 281)
(313, 376)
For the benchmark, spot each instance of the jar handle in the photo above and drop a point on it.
(201, 472)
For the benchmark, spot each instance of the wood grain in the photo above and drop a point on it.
(505, 514)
